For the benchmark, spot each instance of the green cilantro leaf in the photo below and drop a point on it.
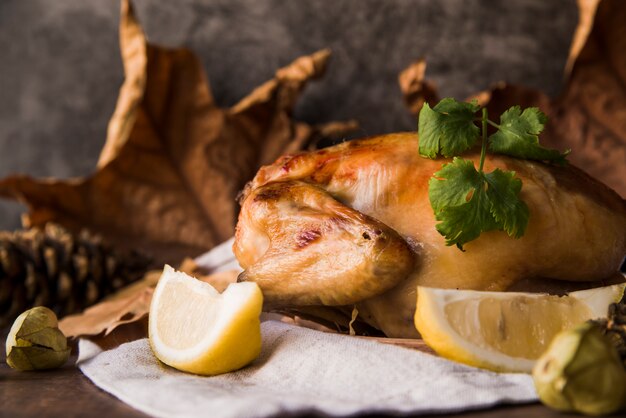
(448, 128)
(517, 136)
(508, 210)
(467, 202)
(458, 197)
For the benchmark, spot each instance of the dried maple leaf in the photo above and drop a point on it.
(173, 162)
(108, 315)
(415, 88)
(589, 117)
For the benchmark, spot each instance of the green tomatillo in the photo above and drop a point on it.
(581, 371)
(35, 341)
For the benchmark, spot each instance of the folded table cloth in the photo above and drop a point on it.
(300, 370)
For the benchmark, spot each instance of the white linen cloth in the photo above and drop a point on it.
(300, 371)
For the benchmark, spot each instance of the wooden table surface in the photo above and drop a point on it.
(66, 392)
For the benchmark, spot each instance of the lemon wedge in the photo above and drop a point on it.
(503, 331)
(194, 328)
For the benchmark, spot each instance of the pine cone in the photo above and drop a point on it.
(65, 272)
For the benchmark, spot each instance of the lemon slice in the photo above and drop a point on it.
(194, 328)
(503, 331)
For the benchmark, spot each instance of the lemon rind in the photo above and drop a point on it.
(221, 349)
(440, 335)
(449, 344)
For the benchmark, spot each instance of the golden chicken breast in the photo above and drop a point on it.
(352, 225)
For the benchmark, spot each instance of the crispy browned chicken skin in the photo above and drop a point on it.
(352, 224)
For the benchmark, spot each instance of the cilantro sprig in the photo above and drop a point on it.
(468, 201)
(448, 128)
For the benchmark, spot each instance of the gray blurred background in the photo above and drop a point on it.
(60, 68)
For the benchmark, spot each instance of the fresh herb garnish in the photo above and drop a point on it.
(517, 136)
(467, 201)
(447, 129)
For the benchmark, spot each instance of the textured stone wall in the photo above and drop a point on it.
(60, 68)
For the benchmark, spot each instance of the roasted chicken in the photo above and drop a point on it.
(352, 225)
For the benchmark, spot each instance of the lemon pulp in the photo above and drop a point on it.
(505, 331)
(514, 326)
(194, 328)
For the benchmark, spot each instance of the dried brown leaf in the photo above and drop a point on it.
(309, 137)
(125, 333)
(132, 303)
(589, 117)
(105, 316)
(415, 88)
(586, 13)
(149, 280)
(173, 161)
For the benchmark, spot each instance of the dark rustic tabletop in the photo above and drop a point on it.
(66, 392)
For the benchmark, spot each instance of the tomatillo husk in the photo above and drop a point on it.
(581, 371)
(35, 341)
